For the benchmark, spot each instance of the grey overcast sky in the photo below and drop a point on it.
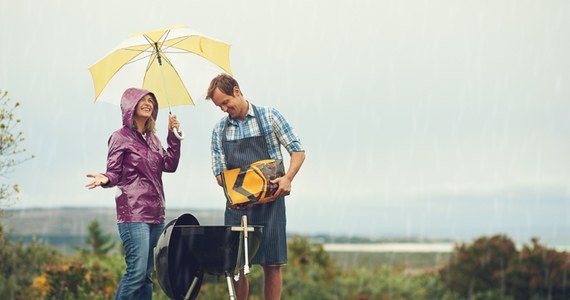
(434, 118)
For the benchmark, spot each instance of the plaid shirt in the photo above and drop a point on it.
(271, 120)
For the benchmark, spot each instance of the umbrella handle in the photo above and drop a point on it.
(179, 134)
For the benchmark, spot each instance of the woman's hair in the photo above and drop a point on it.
(149, 125)
(225, 83)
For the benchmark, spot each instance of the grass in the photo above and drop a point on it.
(404, 260)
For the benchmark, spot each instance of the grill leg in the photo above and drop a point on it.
(191, 289)
(231, 289)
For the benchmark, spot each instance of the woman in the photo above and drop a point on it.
(135, 163)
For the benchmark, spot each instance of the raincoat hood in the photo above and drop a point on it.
(129, 102)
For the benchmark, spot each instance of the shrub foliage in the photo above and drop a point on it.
(493, 266)
(490, 268)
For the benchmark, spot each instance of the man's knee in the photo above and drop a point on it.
(272, 269)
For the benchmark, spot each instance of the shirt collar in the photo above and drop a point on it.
(250, 114)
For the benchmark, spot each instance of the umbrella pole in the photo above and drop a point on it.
(179, 134)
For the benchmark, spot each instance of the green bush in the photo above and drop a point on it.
(480, 266)
(310, 272)
(538, 272)
(389, 283)
(19, 264)
(492, 268)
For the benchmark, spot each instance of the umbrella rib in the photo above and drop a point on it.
(163, 41)
(129, 49)
(177, 74)
(149, 41)
(135, 60)
(171, 46)
(166, 38)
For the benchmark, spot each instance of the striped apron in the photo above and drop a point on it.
(240, 153)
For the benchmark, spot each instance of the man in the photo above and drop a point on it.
(248, 134)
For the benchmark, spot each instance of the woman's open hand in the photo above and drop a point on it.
(98, 180)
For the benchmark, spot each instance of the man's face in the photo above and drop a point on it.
(230, 104)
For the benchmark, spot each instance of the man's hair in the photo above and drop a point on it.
(225, 83)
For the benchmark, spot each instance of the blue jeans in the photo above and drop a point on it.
(139, 240)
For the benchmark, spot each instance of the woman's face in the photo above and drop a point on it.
(145, 107)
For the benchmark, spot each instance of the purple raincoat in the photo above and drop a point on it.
(135, 163)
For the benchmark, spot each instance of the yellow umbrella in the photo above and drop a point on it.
(173, 63)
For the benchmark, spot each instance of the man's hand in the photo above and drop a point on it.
(284, 186)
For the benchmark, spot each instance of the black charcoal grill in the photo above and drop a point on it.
(186, 250)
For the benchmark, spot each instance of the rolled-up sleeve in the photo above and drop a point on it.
(218, 157)
(285, 133)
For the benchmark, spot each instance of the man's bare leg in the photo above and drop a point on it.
(242, 287)
(273, 282)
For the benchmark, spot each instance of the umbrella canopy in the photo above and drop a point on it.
(173, 63)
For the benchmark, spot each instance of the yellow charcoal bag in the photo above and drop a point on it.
(250, 184)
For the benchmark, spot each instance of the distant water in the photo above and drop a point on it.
(390, 247)
(406, 247)
(70, 225)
